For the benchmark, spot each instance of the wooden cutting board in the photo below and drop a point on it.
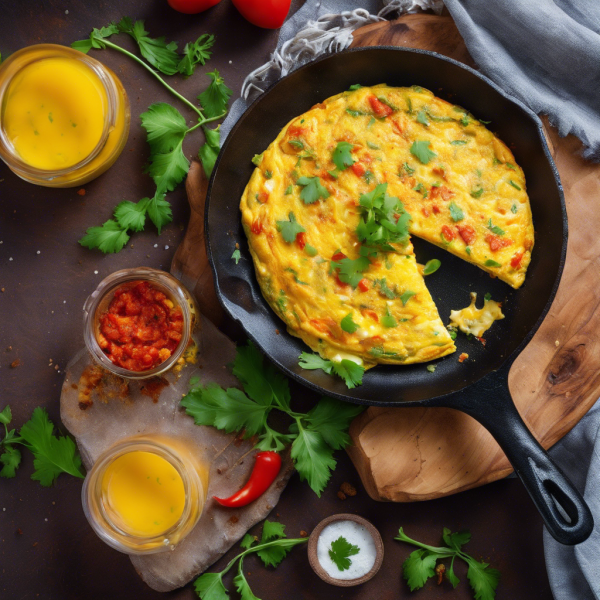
(408, 454)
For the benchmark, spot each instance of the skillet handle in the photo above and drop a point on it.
(563, 509)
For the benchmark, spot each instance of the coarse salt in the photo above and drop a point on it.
(355, 534)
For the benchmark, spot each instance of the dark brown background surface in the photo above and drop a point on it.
(57, 556)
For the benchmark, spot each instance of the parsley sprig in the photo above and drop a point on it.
(273, 547)
(165, 126)
(420, 564)
(53, 455)
(351, 372)
(313, 436)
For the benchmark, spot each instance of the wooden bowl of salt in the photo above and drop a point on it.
(345, 550)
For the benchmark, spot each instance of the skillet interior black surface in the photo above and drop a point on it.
(450, 286)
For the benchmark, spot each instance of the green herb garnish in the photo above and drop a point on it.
(348, 325)
(420, 149)
(388, 319)
(290, 229)
(511, 182)
(340, 552)
(495, 229)
(313, 189)
(456, 212)
(492, 263)
(342, 156)
(236, 255)
(348, 370)
(432, 266)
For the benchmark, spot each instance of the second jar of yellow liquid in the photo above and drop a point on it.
(145, 494)
(64, 117)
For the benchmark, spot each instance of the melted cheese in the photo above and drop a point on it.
(476, 321)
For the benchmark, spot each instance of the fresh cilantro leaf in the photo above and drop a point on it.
(108, 238)
(95, 39)
(418, 568)
(310, 250)
(455, 540)
(388, 319)
(261, 380)
(210, 149)
(407, 296)
(159, 210)
(464, 121)
(354, 87)
(257, 158)
(272, 530)
(340, 552)
(349, 371)
(511, 182)
(369, 176)
(236, 255)
(11, 459)
(215, 98)
(290, 229)
(241, 584)
(132, 215)
(229, 410)
(495, 229)
(313, 189)
(248, 541)
(432, 266)
(210, 587)
(313, 459)
(483, 580)
(451, 576)
(342, 156)
(420, 149)
(331, 419)
(456, 212)
(6, 415)
(288, 190)
(273, 555)
(459, 142)
(195, 53)
(422, 118)
(348, 325)
(350, 270)
(421, 189)
(407, 169)
(383, 220)
(156, 51)
(477, 193)
(52, 455)
(166, 129)
(487, 297)
(514, 209)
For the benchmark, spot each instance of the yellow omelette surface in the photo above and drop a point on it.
(458, 182)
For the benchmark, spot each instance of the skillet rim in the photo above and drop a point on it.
(506, 363)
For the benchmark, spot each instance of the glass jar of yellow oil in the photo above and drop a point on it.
(145, 494)
(64, 116)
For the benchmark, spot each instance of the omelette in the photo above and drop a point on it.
(332, 203)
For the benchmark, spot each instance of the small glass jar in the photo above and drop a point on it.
(98, 302)
(99, 512)
(115, 129)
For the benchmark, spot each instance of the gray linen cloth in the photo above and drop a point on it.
(547, 54)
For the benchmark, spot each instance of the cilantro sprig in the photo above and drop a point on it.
(313, 436)
(166, 127)
(340, 552)
(383, 220)
(351, 372)
(273, 547)
(420, 564)
(52, 454)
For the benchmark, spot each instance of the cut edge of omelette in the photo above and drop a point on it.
(256, 199)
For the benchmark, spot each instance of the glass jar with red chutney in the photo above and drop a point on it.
(138, 323)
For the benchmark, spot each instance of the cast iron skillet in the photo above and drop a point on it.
(479, 386)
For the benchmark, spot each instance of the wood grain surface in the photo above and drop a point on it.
(408, 454)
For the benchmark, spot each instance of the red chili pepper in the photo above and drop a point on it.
(266, 468)
(379, 108)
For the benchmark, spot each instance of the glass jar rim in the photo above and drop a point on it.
(110, 532)
(56, 50)
(160, 279)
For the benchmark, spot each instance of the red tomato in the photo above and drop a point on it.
(358, 169)
(191, 7)
(256, 227)
(379, 108)
(467, 233)
(269, 14)
(338, 256)
(515, 261)
(449, 233)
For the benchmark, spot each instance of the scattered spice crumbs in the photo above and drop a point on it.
(81, 192)
(463, 357)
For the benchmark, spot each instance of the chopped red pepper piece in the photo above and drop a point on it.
(256, 227)
(449, 233)
(496, 243)
(515, 261)
(363, 285)
(379, 108)
(467, 233)
(358, 169)
(371, 314)
(301, 239)
(266, 468)
(338, 256)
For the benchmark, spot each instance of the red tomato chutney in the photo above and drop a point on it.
(141, 328)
